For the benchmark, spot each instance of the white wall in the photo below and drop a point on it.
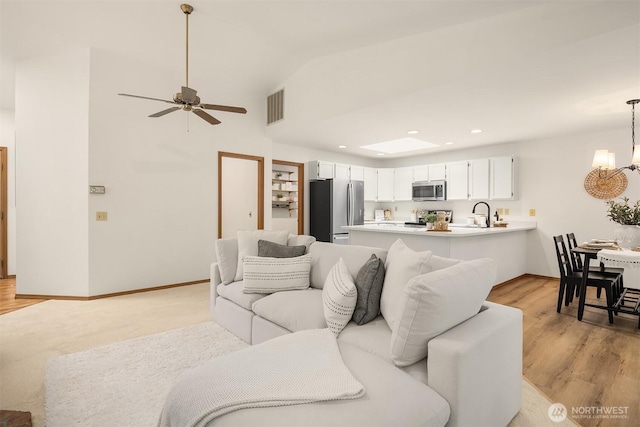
(51, 121)
(160, 175)
(7, 139)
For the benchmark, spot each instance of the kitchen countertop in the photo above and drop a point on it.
(457, 230)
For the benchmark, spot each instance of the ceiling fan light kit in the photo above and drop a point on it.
(187, 99)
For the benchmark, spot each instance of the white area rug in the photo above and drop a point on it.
(124, 384)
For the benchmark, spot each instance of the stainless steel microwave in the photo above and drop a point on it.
(429, 190)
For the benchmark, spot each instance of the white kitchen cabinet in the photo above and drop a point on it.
(421, 173)
(357, 173)
(341, 171)
(385, 184)
(402, 179)
(370, 177)
(502, 178)
(437, 172)
(434, 172)
(457, 181)
(479, 179)
(319, 169)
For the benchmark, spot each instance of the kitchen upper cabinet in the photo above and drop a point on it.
(437, 172)
(402, 180)
(502, 178)
(370, 178)
(341, 171)
(479, 179)
(357, 173)
(457, 181)
(421, 173)
(319, 169)
(434, 172)
(386, 184)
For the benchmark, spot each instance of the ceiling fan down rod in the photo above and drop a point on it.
(187, 9)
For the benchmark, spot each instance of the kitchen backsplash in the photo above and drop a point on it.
(401, 211)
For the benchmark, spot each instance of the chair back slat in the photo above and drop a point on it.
(576, 260)
(564, 261)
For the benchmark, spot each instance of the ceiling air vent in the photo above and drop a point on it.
(275, 107)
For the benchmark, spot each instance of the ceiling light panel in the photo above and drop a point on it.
(402, 145)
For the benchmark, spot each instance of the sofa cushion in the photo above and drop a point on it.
(338, 297)
(438, 263)
(234, 293)
(265, 275)
(403, 264)
(437, 301)
(248, 244)
(300, 239)
(369, 282)
(373, 337)
(275, 250)
(227, 258)
(303, 309)
(325, 255)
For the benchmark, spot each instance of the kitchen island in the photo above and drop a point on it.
(506, 245)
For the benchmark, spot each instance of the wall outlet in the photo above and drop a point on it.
(101, 216)
(500, 211)
(506, 211)
(532, 212)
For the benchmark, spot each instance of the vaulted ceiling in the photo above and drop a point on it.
(360, 72)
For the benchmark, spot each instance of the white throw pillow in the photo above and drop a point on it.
(248, 244)
(265, 275)
(437, 301)
(339, 297)
(402, 264)
(227, 258)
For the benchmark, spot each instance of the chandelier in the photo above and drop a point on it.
(605, 162)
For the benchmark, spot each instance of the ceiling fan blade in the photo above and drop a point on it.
(146, 97)
(189, 95)
(202, 114)
(223, 108)
(163, 112)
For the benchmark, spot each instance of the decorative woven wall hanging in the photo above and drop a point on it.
(605, 188)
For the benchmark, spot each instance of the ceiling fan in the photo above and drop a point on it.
(187, 99)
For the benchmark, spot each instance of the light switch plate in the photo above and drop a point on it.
(101, 216)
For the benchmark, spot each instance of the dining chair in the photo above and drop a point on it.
(576, 263)
(571, 279)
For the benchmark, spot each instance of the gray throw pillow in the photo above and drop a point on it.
(276, 250)
(369, 285)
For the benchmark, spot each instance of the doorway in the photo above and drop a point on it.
(3, 213)
(298, 207)
(240, 193)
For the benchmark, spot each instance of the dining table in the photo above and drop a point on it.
(625, 258)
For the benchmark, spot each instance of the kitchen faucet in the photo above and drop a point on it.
(488, 211)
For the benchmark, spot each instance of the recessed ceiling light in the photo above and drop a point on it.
(448, 143)
(412, 132)
(476, 131)
(342, 146)
(380, 154)
(400, 145)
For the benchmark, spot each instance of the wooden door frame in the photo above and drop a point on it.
(260, 160)
(3, 213)
(300, 167)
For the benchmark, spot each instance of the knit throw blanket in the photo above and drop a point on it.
(302, 367)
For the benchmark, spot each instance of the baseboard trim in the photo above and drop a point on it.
(115, 294)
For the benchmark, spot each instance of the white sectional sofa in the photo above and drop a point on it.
(471, 376)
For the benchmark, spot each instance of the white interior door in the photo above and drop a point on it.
(239, 199)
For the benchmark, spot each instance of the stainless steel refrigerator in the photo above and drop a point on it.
(332, 204)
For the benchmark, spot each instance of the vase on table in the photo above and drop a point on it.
(627, 236)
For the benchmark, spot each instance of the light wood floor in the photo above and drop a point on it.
(584, 365)
(589, 365)
(8, 301)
